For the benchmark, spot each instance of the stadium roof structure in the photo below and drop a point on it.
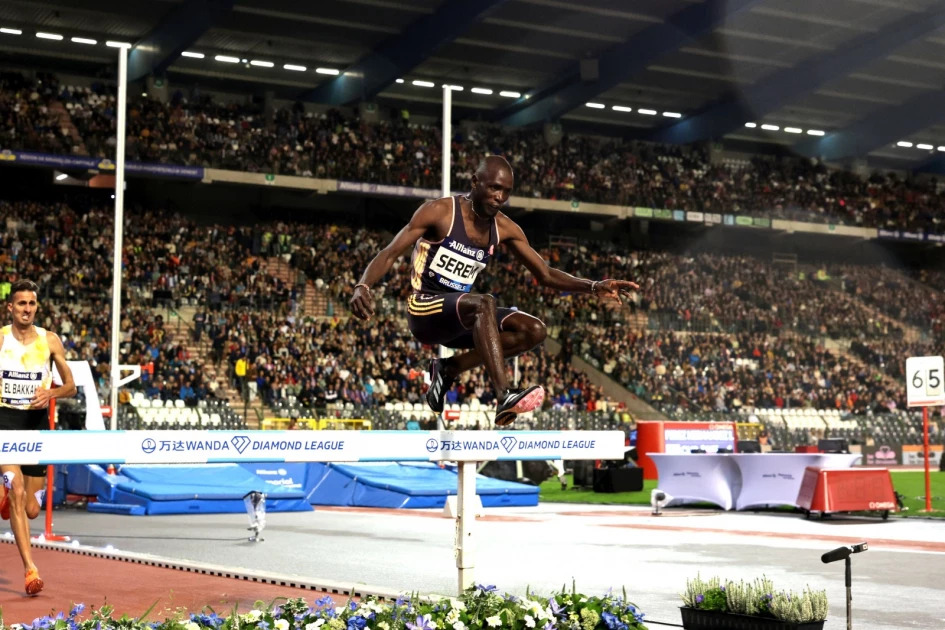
(843, 80)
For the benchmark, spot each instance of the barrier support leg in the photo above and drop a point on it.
(465, 524)
(50, 485)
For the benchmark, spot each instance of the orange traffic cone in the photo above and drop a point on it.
(111, 469)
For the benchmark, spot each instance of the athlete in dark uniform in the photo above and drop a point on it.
(453, 239)
(27, 354)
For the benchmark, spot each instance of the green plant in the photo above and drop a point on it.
(758, 598)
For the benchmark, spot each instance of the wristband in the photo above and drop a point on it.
(361, 284)
(594, 285)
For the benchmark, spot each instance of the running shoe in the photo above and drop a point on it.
(5, 504)
(518, 401)
(34, 583)
(439, 385)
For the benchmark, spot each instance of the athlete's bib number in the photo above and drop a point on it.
(20, 387)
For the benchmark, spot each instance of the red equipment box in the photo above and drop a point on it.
(827, 490)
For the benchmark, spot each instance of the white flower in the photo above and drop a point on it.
(281, 624)
(494, 621)
(252, 615)
(458, 605)
(190, 625)
(383, 625)
(459, 625)
(314, 626)
(529, 621)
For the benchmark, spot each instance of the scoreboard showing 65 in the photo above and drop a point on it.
(924, 381)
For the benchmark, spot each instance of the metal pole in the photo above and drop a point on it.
(447, 157)
(119, 225)
(849, 582)
(446, 163)
(928, 478)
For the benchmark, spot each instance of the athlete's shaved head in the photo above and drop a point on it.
(491, 186)
(491, 164)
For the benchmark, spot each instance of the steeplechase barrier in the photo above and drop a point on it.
(467, 448)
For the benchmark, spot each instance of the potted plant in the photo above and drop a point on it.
(712, 605)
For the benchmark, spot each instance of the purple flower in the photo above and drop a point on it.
(700, 598)
(356, 623)
(487, 589)
(423, 623)
(556, 610)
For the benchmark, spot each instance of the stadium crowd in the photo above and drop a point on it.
(733, 331)
(203, 130)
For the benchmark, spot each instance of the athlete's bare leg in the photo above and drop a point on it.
(522, 333)
(19, 522)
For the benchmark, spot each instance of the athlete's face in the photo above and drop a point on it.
(492, 191)
(23, 307)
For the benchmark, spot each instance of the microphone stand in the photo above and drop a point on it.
(849, 582)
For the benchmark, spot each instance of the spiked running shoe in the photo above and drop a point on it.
(33, 583)
(5, 504)
(518, 401)
(440, 383)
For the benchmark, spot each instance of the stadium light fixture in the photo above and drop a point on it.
(941, 148)
(595, 105)
(646, 112)
(815, 132)
(11, 31)
(621, 108)
(672, 114)
(510, 94)
(227, 59)
(426, 84)
(793, 130)
(332, 71)
(479, 90)
(294, 68)
(399, 81)
(770, 127)
(751, 125)
(61, 176)
(259, 63)
(84, 40)
(54, 36)
(114, 44)
(904, 144)
(193, 55)
(924, 146)
(455, 88)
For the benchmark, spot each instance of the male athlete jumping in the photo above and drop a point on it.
(452, 239)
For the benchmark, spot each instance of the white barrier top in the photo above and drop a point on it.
(189, 447)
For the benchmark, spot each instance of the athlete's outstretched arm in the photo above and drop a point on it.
(515, 239)
(423, 222)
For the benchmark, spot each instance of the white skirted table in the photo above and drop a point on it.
(740, 480)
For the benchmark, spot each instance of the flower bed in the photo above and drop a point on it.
(480, 607)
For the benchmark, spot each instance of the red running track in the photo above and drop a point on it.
(130, 587)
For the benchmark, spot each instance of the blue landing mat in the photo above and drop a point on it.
(393, 485)
(204, 489)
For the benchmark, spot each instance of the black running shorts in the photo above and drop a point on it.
(434, 319)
